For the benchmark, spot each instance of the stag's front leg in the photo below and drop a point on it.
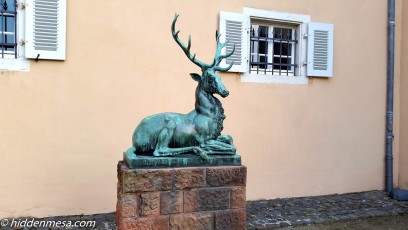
(226, 139)
(164, 138)
(163, 141)
(220, 147)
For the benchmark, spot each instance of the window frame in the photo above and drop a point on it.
(273, 17)
(271, 50)
(10, 62)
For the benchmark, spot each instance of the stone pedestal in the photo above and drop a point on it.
(207, 197)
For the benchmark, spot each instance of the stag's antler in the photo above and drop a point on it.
(185, 48)
(218, 57)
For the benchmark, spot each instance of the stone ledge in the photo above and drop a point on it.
(134, 161)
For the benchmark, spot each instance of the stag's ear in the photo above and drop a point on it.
(195, 76)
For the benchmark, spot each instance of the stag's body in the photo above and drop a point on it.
(196, 128)
(199, 131)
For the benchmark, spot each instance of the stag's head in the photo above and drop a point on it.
(208, 80)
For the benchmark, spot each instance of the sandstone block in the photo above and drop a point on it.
(150, 203)
(147, 180)
(238, 197)
(226, 176)
(230, 219)
(171, 202)
(145, 223)
(127, 205)
(190, 178)
(206, 199)
(192, 221)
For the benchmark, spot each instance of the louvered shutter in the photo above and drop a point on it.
(320, 50)
(45, 29)
(234, 28)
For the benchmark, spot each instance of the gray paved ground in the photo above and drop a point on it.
(322, 209)
(397, 222)
(363, 210)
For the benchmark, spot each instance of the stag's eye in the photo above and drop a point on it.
(210, 81)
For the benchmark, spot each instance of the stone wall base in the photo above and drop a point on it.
(181, 198)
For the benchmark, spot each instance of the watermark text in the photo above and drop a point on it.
(41, 223)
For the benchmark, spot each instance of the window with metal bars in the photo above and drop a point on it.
(8, 28)
(273, 49)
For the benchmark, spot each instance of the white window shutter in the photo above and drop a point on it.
(45, 29)
(234, 28)
(320, 50)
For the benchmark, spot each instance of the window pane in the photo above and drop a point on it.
(263, 59)
(7, 5)
(9, 39)
(7, 28)
(9, 48)
(276, 48)
(9, 24)
(254, 58)
(276, 61)
(288, 49)
(284, 62)
(284, 49)
(283, 33)
(263, 31)
(263, 47)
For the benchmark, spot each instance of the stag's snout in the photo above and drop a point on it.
(224, 93)
(221, 90)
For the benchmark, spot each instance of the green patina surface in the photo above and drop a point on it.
(134, 161)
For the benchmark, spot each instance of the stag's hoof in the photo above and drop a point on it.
(157, 154)
(201, 153)
(204, 156)
(225, 139)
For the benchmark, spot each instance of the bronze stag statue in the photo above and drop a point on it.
(199, 132)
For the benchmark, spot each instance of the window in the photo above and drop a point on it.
(11, 33)
(33, 30)
(272, 49)
(276, 47)
(8, 28)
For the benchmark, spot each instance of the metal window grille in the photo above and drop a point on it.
(8, 28)
(273, 50)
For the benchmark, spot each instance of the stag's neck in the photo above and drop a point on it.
(208, 105)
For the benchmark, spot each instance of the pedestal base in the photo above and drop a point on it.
(210, 197)
(134, 161)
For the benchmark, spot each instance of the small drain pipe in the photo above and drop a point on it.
(390, 97)
(398, 194)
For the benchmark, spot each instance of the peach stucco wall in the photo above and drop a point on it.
(403, 154)
(64, 124)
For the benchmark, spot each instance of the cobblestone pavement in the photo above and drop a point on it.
(267, 214)
(277, 213)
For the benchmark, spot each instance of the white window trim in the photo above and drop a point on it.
(298, 19)
(10, 63)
